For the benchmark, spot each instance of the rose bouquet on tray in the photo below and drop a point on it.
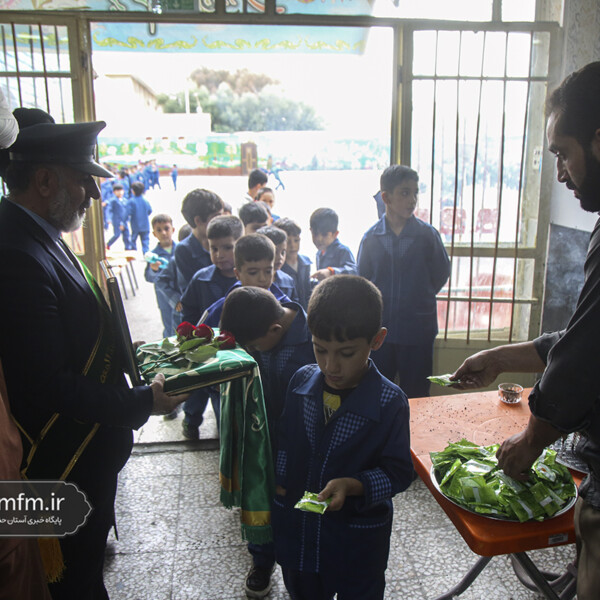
(191, 346)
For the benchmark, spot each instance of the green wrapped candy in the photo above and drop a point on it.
(443, 380)
(468, 474)
(309, 503)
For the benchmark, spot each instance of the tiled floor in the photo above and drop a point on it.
(177, 542)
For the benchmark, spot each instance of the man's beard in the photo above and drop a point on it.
(589, 191)
(61, 214)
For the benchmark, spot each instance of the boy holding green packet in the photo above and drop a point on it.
(344, 434)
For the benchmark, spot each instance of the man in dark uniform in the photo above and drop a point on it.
(567, 397)
(57, 345)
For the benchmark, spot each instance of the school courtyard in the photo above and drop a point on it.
(176, 542)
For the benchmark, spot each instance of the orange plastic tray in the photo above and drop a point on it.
(483, 419)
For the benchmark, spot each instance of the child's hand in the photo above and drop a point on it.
(321, 274)
(338, 489)
(178, 307)
(155, 266)
(280, 491)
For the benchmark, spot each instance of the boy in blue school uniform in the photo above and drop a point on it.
(344, 434)
(333, 258)
(198, 208)
(162, 229)
(296, 265)
(206, 287)
(282, 280)
(166, 283)
(406, 259)
(278, 338)
(118, 211)
(139, 211)
(213, 282)
(254, 257)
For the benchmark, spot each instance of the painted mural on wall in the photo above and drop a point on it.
(297, 150)
(319, 7)
(227, 39)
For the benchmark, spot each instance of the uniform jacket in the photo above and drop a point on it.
(301, 279)
(367, 439)
(50, 325)
(286, 284)
(338, 257)
(205, 288)
(190, 256)
(409, 269)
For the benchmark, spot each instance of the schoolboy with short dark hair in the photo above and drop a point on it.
(281, 279)
(254, 256)
(254, 215)
(213, 282)
(344, 434)
(198, 208)
(278, 338)
(333, 258)
(162, 229)
(406, 259)
(296, 265)
(257, 179)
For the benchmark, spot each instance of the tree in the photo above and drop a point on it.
(243, 101)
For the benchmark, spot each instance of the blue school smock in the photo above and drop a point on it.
(139, 210)
(212, 316)
(190, 257)
(206, 287)
(409, 269)
(368, 439)
(286, 284)
(338, 257)
(301, 279)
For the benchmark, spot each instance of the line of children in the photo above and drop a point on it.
(406, 259)
(278, 338)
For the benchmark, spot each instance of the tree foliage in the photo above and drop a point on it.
(243, 101)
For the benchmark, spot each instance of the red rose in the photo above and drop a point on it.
(203, 331)
(185, 331)
(225, 340)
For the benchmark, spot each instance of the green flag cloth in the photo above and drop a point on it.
(246, 465)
